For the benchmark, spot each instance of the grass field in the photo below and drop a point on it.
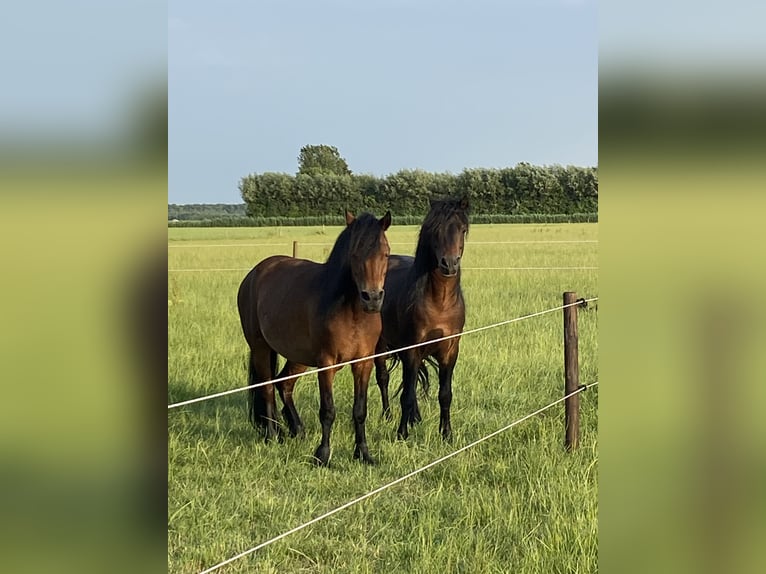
(516, 503)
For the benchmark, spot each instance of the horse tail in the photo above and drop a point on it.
(273, 363)
(256, 401)
(423, 373)
(392, 362)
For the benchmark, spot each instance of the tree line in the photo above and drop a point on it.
(205, 211)
(524, 189)
(338, 219)
(324, 187)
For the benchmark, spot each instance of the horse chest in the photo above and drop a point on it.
(353, 337)
(446, 318)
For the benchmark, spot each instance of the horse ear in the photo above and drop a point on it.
(385, 221)
(349, 217)
(464, 203)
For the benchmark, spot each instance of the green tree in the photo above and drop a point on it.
(522, 190)
(321, 160)
(369, 189)
(268, 194)
(484, 188)
(409, 190)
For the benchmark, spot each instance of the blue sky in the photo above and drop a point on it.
(435, 85)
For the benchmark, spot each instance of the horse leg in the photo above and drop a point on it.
(285, 389)
(446, 368)
(415, 417)
(263, 404)
(410, 363)
(381, 377)
(326, 416)
(362, 371)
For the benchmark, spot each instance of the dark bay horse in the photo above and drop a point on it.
(316, 314)
(423, 302)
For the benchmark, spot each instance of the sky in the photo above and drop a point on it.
(437, 85)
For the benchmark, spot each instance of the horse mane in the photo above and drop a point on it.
(362, 238)
(434, 226)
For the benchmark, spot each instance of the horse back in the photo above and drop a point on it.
(278, 303)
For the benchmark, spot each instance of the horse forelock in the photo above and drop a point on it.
(445, 217)
(360, 240)
(365, 240)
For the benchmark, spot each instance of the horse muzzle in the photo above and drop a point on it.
(372, 301)
(449, 266)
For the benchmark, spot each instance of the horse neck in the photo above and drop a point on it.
(442, 290)
(337, 289)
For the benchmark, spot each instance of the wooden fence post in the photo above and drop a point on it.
(571, 373)
(295, 248)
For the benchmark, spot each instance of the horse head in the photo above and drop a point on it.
(368, 257)
(444, 231)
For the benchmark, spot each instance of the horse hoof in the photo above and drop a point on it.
(402, 434)
(414, 417)
(387, 415)
(322, 456)
(364, 455)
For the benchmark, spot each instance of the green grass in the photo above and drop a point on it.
(516, 503)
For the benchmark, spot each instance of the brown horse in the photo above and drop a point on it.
(316, 314)
(423, 302)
